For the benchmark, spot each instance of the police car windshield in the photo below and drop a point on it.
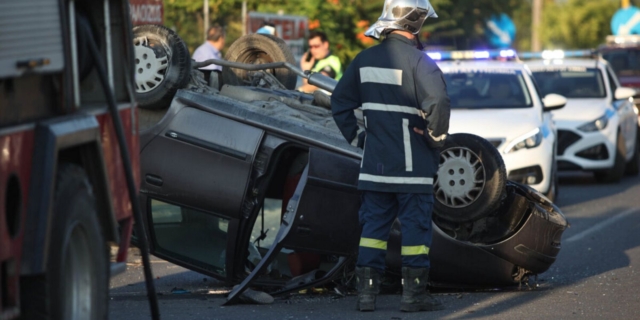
(482, 90)
(625, 62)
(571, 82)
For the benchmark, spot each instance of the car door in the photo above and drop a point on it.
(626, 113)
(195, 169)
(321, 216)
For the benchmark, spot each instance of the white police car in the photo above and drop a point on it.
(597, 130)
(498, 101)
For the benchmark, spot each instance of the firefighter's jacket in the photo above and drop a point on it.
(393, 82)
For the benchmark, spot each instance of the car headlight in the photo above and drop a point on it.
(529, 140)
(597, 124)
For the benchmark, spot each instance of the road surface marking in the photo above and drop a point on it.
(603, 224)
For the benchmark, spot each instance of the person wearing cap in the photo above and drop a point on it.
(319, 59)
(406, 119)
(268, 28)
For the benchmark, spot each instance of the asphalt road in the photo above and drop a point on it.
(596, 276)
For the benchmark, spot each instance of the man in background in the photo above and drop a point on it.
(319, 59)
(211, 48)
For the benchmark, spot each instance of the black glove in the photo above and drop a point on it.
(361, 137)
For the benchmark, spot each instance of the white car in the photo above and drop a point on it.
(597, 129)
(498, 101)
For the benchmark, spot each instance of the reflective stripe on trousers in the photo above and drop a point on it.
(377, 213)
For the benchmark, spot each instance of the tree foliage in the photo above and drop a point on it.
(577, 23)
(460, 25)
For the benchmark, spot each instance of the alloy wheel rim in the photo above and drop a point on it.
(461, 177)
(149, 69)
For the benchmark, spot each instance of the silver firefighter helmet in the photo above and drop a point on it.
(407, 15)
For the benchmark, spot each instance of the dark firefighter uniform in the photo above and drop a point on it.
(398, 88)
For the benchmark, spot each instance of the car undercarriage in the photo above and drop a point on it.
(250, 182)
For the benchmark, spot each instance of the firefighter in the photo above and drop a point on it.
(406, 118)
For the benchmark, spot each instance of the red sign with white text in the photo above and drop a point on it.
(146, 12)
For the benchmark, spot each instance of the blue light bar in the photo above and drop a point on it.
(435, 55)
(473, 55)
(557, 54)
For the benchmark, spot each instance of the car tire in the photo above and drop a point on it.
(259, 49)
(76, 283)
(471, 179)
(633, 167)
(614, 174)
(553, 192)
(162, 65)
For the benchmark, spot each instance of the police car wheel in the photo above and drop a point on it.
(162, 65)
(471, 179)
(259, 49)
(633, 167)
(615, 173)
(554, 181)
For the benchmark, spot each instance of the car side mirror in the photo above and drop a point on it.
(553, 101)
(623, 93)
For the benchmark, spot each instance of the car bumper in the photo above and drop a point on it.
(530, 249)
(587, 150)
(531, 166)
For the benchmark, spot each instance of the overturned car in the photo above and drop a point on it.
(249, 181)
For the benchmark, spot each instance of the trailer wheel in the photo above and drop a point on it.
(162, 65)
(259, 49)
(76, 283)
(471, 179)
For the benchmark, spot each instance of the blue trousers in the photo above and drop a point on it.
(377, 213)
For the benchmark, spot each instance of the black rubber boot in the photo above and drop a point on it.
(368, 285)
(415, 296)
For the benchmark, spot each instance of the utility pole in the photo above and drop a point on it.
(535, 27)
(244, 17)
(205, 11)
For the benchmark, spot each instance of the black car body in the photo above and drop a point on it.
(255, 185)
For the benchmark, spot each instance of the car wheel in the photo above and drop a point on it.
(617, 171)
(162, 65)
(76, 283)
(633, 167)
(471, 179)
(552, 193)
(259, 49)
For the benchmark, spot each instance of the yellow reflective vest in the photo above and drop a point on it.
(328, 64)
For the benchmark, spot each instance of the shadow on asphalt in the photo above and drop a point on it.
(584, 183)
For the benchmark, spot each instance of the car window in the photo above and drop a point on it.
(267, 224)
(192, 236)
(571, 82)
(625, 62)
(481, 89)
(537, 88)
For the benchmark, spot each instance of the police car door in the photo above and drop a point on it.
(628, 124)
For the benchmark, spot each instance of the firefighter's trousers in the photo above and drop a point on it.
(377, 213)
